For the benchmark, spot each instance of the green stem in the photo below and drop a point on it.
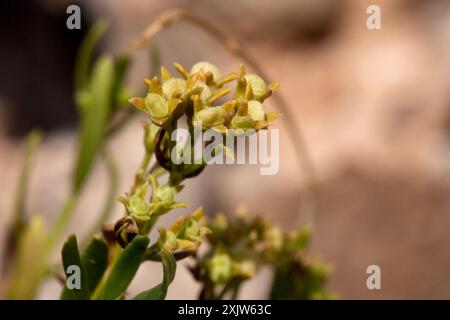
(64, 216)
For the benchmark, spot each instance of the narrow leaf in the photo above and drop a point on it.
(125, 268)
(159, 292)
(29, 265)
(84, 56)
(94, 116)
(71, 257)
(18, 224)
(94, 260)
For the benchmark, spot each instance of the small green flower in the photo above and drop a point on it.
(171, 241)
(257, 85)
(256, 110)
(245, 269)
(210, 117)
(242, 122)
(220, 268)
(164, 193)
(274, 238)
(207, 67)
(156, 106)
(172, 86)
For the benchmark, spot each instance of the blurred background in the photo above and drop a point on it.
(373, 106)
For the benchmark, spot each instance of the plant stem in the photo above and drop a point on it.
(63, 216)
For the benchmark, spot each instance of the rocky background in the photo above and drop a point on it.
(374, 108)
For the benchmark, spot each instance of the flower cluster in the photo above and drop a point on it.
(201, 89)
(240, 245)
(186, 234)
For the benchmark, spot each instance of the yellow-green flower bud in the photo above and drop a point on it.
(172, 85)
(242, 122)
(220, 267)
(211, 117)
(192, 230)
(207, 66)
(257, 85)
(274, 238)
(138, 206)
(171, 241)
(165, 193)
(246, 269)
(206, 93)
(256, 110)
(156, 106)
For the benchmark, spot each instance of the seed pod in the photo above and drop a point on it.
(156, 106)
(125, 230)
(207, 66)
(256, 110)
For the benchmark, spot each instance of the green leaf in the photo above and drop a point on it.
(159, 292)
(118, 91)
(94, 261)
(95, 109)
(71, 257)
(84, 56)
(33, 141)
(30, 263)
(125, 268)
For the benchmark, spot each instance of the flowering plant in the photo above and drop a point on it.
(103, 265)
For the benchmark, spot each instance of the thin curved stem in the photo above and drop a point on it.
(109, 202)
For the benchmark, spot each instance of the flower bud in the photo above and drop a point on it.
(171, 241)
(245, 269)
(274, 238)
(138, 206)
(242, 122)
(258, 86)
(192, 230)
(156, 106)
(211, 117)
(256, 110)
(165, 193)
(172, 85)
(205, 93)
(205, 67)
(220, 267)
